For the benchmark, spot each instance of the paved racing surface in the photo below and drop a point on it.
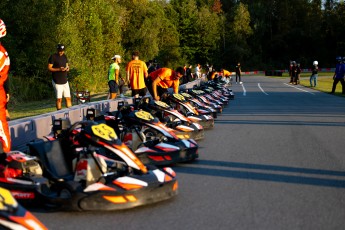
(275, 160)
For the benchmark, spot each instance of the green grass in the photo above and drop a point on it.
(324, 82)
(27, 109)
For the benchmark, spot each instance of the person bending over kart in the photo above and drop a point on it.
(227, 75)
(160, 80)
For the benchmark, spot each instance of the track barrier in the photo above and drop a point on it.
(36, 127)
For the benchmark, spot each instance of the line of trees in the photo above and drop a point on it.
(261, 34)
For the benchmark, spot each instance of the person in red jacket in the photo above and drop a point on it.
(5, 139)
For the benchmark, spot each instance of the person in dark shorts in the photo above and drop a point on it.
(113, 77)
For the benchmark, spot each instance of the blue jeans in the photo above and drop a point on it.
(313, 78)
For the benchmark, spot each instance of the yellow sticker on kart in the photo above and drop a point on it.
(104, 131)
(178, 97)
(144, 115)
(162, 104)
(186, 95)
(6, 199)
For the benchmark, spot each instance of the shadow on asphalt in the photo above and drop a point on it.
(272, 173)
(270, 122)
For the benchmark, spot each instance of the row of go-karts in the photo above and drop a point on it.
(116, 160)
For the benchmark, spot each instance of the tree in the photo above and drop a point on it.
(237, 33)
(92, 31)
(187, 20)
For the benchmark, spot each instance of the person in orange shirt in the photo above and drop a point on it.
(227, 75)
(160, 80)
(213, 75)
(136, 73)
(5, 138)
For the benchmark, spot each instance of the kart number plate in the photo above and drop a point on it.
(104, 131)
(162, 104)
(144, 115)
(178, 96)
(186, 95)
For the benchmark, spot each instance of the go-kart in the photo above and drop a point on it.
(14, 216)
(183, 127)
(221, 88)
(154, 152)
(89, 168)
(179, 102)
(199, 94)
(200, 106)
(160, 143)
(212, 93)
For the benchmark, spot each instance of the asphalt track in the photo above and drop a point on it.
(275, 160)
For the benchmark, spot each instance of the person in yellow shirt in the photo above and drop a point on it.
(226, 74)
(136, 73)
(160, 80)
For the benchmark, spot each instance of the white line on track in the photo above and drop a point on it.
(299, 88)
(262, 89)
(244, 90)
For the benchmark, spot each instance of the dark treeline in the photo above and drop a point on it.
(261, 34)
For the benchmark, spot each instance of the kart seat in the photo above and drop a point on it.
(52, 157)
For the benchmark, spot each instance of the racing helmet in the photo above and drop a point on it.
(339, 59)
(2, 29)
(315, 63)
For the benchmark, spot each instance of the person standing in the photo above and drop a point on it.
(238, 73)
(58, 66)
(152, 67)
(294, 75)
(160, 80)
(339, 75)
(189, 74)
(299, 70)
(114, 76)
(314, 74)
(136, 73)
(197, 71)
(5, 138)
(290, 72)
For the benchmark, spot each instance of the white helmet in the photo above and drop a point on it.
(315, 63)
(2, 29)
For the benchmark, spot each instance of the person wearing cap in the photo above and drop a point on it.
(314, 74)
(58, 66)
(5, 138)
(114, 76)
(136, 73)
(160, 80)
(339, 75)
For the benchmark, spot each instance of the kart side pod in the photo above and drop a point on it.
(89, 169)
